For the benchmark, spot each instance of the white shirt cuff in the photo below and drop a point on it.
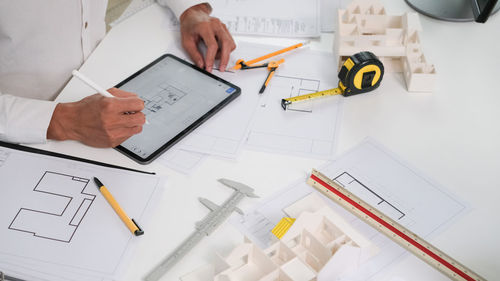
(179, 6)
(24, 120)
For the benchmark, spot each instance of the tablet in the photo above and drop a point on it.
(178, 97)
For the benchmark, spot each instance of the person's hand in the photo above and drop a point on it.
(197, 25)
(97, 120)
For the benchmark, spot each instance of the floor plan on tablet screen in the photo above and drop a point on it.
(175, 96)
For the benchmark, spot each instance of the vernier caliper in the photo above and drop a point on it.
(218, 214)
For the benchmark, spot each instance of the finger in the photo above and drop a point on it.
(191, 46)
(209, 38)
(121, 93)
(233, 44)
(131, 120)
(227, 46)
(123, 105)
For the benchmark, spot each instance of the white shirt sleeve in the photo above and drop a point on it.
(24, 120)
(179, 6)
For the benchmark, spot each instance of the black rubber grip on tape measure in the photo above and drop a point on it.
(360, 60)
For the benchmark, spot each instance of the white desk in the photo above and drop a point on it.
(452, 135)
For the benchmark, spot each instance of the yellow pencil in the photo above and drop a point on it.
(250, 62)
(130, 223)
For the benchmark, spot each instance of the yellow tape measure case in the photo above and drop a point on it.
(361, 73)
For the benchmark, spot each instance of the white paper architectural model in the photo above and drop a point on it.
(365, 26)
(320, 245)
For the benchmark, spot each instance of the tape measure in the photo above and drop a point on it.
(360, 73)
(398, 233)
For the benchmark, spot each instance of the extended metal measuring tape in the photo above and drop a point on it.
(398, 233)
(360, 73)
(218, 214)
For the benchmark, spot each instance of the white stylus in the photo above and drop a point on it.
(91, 83)
(94, 86)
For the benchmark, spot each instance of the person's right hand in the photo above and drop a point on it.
(98, 121)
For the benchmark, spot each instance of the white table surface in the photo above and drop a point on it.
(452, 135)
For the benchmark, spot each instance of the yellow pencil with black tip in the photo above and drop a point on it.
(130, 223)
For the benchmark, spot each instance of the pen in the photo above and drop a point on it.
(94, 86)
(130, 223)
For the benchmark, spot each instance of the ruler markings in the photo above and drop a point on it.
(369, 212)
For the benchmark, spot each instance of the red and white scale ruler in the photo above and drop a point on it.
(398, 233)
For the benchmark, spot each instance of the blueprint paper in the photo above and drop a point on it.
(284, 24)
(181, 160)
(277, 18)
(379, 178)
(307, 128)
(56, 221)
(259, 120)
(23, 270)
(225, 132)
(21, 273)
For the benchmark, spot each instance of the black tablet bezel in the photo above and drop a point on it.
(189, 128)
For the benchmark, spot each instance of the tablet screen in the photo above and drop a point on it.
(177, 98)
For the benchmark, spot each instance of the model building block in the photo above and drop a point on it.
(320, 245)
(365, 26)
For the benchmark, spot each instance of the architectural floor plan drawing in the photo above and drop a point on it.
(307, 128)
(295, 18)
(69, 204)
(54, 223)
(163, 94)
(368, 195)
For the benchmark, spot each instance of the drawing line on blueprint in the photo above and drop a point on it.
(352, 180)
(57, 226)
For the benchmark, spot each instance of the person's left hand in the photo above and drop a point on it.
(197, 25)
